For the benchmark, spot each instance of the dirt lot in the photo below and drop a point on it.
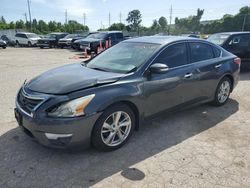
(200, 147)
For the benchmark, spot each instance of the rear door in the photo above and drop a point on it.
(208, 65)
(164, 91)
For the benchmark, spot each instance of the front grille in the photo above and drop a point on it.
(27, 103)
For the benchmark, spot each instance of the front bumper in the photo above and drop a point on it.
(58, 132)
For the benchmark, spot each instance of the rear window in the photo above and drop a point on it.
(217, 52)
(218, 39)
(200, 52)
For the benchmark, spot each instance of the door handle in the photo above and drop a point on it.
(188, 75)
(217, 66)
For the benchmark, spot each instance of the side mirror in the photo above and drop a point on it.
(158, 68)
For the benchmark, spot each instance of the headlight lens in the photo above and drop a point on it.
(72, 108)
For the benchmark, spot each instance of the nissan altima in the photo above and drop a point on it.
(101, 102)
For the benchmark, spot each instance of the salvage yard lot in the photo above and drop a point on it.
(202, 146)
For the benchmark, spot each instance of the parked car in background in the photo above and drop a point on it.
(92, 42)
(51, 40)
(67, 40)
(26, 39)
(104, 100)
(3, 44)
(237, 43)
(80, 37)
(8, 41)
(190, 35)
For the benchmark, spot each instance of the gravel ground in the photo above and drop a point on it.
(203, 146)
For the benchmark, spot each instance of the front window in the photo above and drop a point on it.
(124, 57)
(218, 39)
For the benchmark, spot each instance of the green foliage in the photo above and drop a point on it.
(230, 22)
(163, 23)
(117, 27)
(41, 27)
(134, 19)
(189, 24)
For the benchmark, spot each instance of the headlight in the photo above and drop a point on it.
(72, 108)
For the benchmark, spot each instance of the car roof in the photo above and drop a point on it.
(162, 39)
(58, 33)
(235, 33)
(24, 33)
(110, 32)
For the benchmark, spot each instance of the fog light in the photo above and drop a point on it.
(52, 136)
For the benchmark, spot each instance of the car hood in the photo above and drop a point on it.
(36, 38)
(69, 78)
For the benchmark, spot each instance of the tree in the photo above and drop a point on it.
(117, 27)
(163, 23)
(155, 27)
(134, 19)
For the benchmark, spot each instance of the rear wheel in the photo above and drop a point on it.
(17, 43)
(222, 92)
(29, 44)
(114, 127)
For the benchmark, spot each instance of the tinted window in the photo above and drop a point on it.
(174, 56)
(119, 35)
(18, 35)
(200, 52)
(23, 36)
(112, 36)
(217, 52)
(239, 41)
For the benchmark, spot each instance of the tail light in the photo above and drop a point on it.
(237, 61)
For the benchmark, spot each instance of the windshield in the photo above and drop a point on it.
(97, 36)
(218, 39)
(70, 36)
(32, 35)
(124, 57)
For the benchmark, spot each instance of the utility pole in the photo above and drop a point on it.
(101, 24)
(170, 19)
(28, 1)
(244, 22)
(120, 15)
(25, 16)
(66, 16)
(84, 19)
(109, 19)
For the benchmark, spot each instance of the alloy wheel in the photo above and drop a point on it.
(116, 128)
(224, 91)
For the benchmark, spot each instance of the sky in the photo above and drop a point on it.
(97, 11)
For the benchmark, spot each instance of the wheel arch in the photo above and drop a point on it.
(231, 79)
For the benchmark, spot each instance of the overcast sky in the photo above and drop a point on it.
(97, 11)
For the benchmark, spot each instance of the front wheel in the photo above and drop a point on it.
(222, 92)
(114, 127)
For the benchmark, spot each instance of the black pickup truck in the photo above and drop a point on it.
(92, 42)
(51, 40)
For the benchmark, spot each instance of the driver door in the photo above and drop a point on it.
(172, 88)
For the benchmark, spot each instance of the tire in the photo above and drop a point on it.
(4, 47)
(29, 44)
(108, 139)
(17, 43)
(41, 47)
(222, 95)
